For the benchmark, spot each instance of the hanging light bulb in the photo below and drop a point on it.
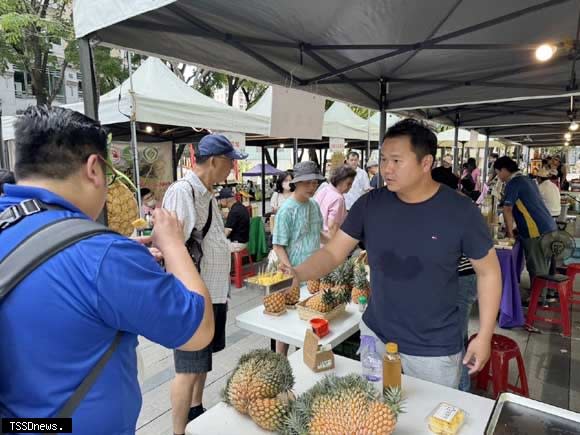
(566, 143)
(545, 52)
(149, 129)
(574, 126)
(568, 136)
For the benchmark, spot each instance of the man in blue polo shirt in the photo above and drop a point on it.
(415, 231)
(523, 204)
(59, 321)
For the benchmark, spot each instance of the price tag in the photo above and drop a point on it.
(446, 412)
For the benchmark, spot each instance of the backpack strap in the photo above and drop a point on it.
(207, 225)
(33, 251)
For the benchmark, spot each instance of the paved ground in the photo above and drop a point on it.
(552, 365)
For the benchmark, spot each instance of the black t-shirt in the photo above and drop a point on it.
(445, 176)
(239, 221)
(413, 252)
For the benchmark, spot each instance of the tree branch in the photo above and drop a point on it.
(59, 84)
(44, 9)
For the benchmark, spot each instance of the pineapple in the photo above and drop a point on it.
(122, 209)
(327, 282)
(361, 285)
(323, 301)
(269, 414)
(260, 374)
(345, 405)
(313, 286)
(292, 295)
(275, 302)
(342, 279)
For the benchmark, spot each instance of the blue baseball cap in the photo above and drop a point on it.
(218, 145)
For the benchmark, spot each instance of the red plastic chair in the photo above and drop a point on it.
(571, 272)
(238, 275)
(503, 350)
(560, 283)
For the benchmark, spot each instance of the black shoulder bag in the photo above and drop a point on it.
(193, 244)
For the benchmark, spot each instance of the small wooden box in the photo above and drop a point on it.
(317, 360)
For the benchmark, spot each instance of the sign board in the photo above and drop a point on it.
(238, 140)
(155, 164)
(336, 144)
(296, 114)
(473, 139)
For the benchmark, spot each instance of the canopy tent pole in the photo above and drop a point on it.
(485, 158)
(295, 150)
(462, 152)
(263, 182)
(3, 159)
(455, 145)
(90, 95)
(369, 137)
(528, 162)
(134, 149)
(382, 124)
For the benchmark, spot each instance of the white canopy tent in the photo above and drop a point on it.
(160, 97)
(446, 139)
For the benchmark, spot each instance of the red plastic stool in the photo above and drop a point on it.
(560, 283)
(503, 350)
(571, 272)
(238, 275)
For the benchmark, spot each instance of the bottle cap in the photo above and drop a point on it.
(392, 347)
(362, 300)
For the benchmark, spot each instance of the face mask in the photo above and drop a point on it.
(286, 185)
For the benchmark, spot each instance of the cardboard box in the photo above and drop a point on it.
(318, 360)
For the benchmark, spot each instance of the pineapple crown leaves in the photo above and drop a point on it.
(344, 297)
(360, 277)
(329, 297)
(393, 398)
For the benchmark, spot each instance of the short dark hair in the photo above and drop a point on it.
(200, 160)
(423, 140)
(342, 173)
(6, 177)
(145, 191)
(353, 153)
(53, 142)
(281, 179)
(506, 163)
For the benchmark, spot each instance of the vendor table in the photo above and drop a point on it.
(511, 262)
(289, 328)
(421, 398)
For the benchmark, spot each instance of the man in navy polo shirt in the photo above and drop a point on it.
(415, 231)
(59, 321)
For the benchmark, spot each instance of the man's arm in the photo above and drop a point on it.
(489, 288)
(508, 215)
(325, 260)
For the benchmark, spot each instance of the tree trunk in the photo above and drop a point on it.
(59, 83)
(39, 87)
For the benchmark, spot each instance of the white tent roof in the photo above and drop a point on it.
(162, 98)
(446, 139)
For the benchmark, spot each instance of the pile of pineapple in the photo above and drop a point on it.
(361, 286)
(261, 385)
(276, 302)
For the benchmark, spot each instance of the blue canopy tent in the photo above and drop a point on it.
(256, 171)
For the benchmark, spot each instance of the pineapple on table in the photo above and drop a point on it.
(342, 280)
(275, 302)
(327, 282)
(361, 285)
(345, 405)
(323, 301)
(313, 286)
(292, 295)
(122, 209)
(260, 386)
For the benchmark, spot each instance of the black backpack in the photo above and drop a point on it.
(33, 251)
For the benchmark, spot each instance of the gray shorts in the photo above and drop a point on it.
(200, 361)
(442, 370)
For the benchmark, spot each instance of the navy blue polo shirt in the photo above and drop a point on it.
(61, 319)
(413, 252)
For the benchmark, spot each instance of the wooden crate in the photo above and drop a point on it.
(306, 313)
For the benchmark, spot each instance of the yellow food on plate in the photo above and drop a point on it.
(139, 224)
(446, 420)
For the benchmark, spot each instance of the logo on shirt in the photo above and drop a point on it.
(434, 237)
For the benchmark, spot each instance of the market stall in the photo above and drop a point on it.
(421, 399)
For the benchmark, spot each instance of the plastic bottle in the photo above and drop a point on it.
(392, 366)
(362, 303)
(371, 362)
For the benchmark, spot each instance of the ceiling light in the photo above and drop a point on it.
(566, 143)
(149, 129)
(574, 126)
(281, 145)
(568, 136)
(545, 52)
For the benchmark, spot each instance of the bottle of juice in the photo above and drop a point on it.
(392, 366)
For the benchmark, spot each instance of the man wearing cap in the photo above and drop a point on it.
(192, 199)
(298, 227)
(237, 222)
(373, 170)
